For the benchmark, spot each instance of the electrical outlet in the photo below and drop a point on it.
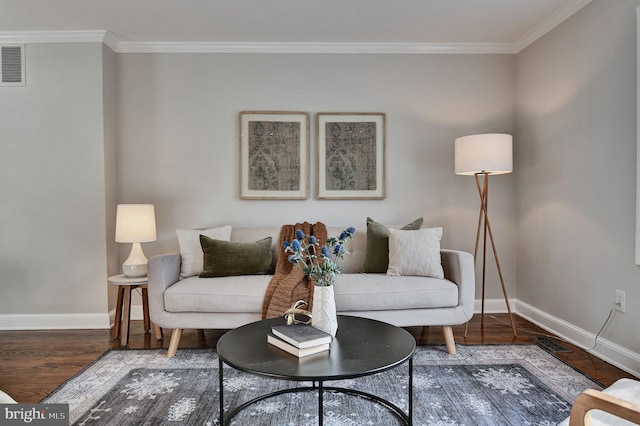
(620, 302)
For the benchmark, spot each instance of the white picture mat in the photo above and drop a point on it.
(297, 117)
(379, 119)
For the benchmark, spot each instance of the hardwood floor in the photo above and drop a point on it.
(35, 363)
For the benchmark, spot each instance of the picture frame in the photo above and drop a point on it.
(274, 155)
(351, 155)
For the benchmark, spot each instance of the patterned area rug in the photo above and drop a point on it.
(481, 385)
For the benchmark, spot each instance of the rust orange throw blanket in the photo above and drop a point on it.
(289, 283)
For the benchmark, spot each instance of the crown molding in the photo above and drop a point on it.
(118, 46)
(317, 48)
(52, 36)
(550, 23)
(111, 41)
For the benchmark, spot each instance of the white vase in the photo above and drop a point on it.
(324, 310)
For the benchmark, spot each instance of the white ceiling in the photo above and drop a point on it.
(415, 26)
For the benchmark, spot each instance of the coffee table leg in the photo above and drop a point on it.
(320, 403)
(221, 388)
(411, 390)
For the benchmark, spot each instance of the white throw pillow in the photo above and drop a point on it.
(415, 252)
(191, 250)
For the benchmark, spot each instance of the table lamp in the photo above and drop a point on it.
(135, 223)
(484, 155)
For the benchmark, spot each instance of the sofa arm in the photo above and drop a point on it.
(459, 267)
(163, 272)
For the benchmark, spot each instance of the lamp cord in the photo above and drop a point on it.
(527, 331)
(595, 342)
(587, 351)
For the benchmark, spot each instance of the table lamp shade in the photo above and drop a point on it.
(135, 223)
(490, 153)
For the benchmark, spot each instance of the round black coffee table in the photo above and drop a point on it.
(361, 347)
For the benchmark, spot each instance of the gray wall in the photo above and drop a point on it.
(113, 264)
(576, 180)
(52, 183)
(178, 137)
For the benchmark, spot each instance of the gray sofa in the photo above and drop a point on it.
(229, 302)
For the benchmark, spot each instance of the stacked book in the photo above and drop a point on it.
(299, 339)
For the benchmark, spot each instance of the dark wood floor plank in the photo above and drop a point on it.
(34, 363)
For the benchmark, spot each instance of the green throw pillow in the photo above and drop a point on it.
(376, 257)
(228, 258)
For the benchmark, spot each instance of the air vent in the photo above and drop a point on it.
(12, 65)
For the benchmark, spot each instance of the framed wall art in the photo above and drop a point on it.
(351, 155)
(274, 155)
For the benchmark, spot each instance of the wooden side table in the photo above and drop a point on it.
(123, 307)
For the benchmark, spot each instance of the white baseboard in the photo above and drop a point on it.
(63, 321)
(606, 350)
(613, 353)
(136, 314)
(493, 306)
(53, 321)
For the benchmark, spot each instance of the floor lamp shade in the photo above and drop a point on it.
(490, 153)
(135, 223)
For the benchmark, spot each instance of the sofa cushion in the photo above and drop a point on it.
(378, 292)
(376, 258)
(230, 258)
(191, 251)
(415, 252)
(353, 293)
(222, 294)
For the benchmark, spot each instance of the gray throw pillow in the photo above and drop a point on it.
(376, 257)
(228, 258)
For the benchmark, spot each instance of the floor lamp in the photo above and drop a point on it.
(481, 156)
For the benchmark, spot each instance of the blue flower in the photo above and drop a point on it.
(321, 265)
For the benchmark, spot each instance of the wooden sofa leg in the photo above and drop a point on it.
(175, 341)
(447, 332)
(158, 331)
